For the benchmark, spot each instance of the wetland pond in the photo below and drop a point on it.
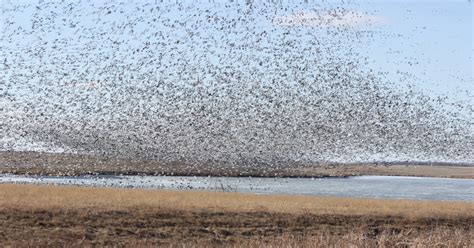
(391, 187)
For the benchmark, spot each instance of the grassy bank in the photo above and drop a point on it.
(75, 164)
(51, 215)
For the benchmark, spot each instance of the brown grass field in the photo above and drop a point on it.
(75, 164)
(54, 216)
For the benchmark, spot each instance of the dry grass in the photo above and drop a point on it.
(45, 197)
(441, 237)
(74, 216)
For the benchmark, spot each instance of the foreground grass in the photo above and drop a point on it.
(74, 216)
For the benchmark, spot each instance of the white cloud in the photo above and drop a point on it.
(329, 19)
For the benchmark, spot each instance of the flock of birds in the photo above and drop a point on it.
(212, 83)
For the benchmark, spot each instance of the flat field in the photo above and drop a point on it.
(75, 164)
(78, 216)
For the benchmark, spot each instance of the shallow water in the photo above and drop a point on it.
(422, 188)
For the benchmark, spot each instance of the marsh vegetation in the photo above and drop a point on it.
(74, 216)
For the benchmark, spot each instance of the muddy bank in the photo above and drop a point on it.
(57, 164)
(60, 227)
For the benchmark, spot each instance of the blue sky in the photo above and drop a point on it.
(436, 37)
(432, 40)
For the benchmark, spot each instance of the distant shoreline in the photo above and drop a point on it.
(60, 164)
